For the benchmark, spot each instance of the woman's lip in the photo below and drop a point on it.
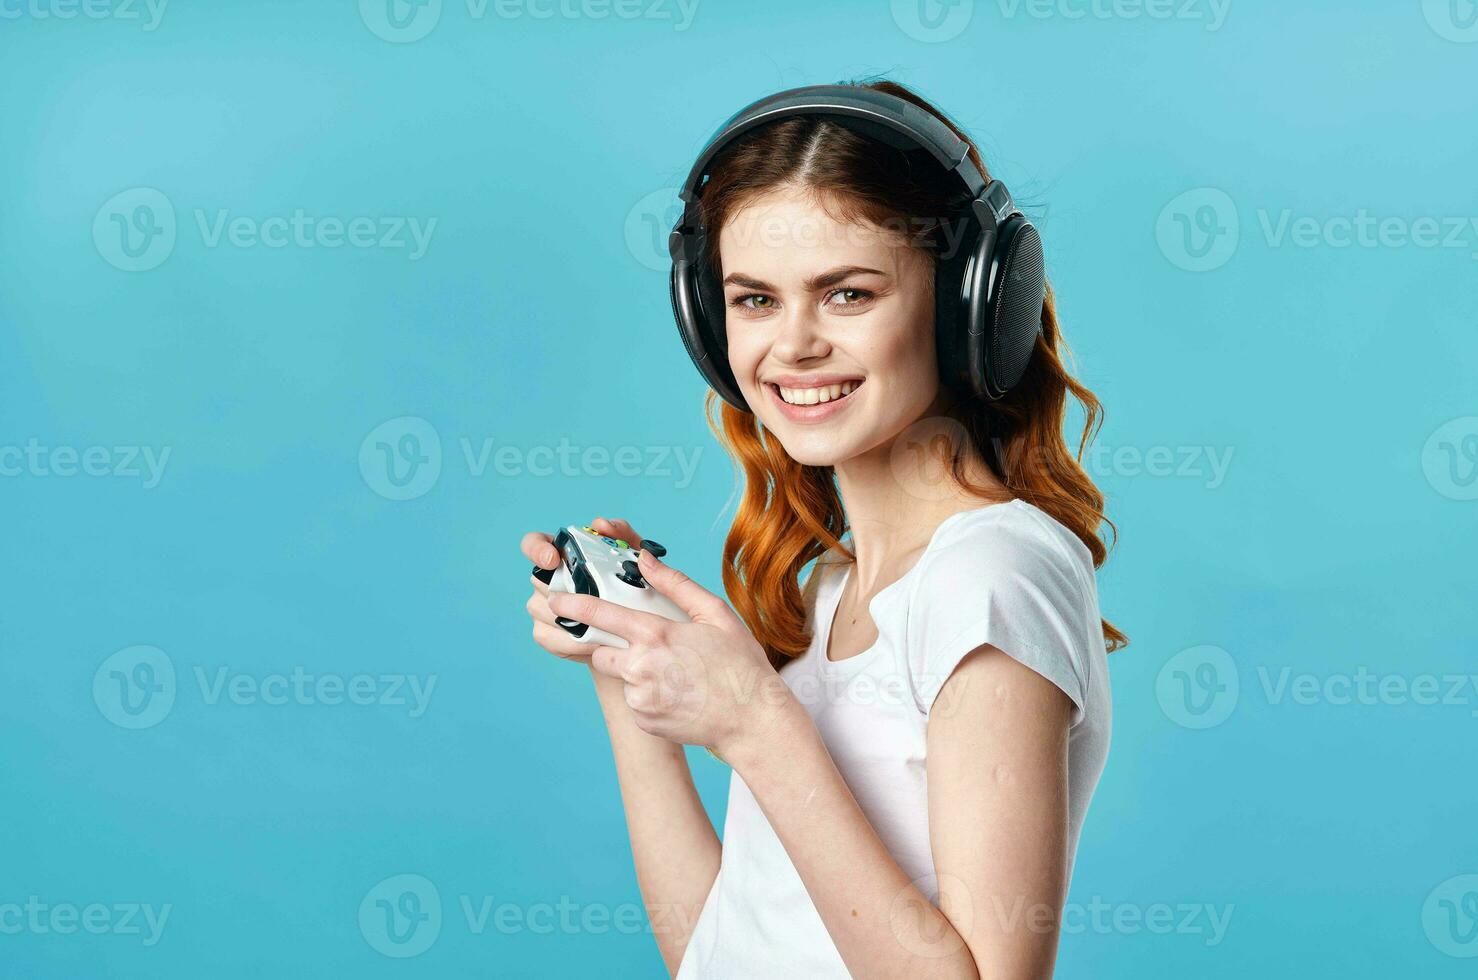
(811, 380)
(819, 412)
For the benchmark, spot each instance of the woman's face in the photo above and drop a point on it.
(830, 326)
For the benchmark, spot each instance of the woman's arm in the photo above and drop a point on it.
(673, 844)
(997, 773)
(998, 811)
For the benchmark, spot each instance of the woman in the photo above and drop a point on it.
(915, 734)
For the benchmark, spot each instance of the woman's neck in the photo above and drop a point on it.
(897, 495)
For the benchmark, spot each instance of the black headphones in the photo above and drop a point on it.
(988, 292)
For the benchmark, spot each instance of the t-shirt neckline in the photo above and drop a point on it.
(834, 597)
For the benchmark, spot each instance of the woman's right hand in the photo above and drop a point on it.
(539, 549)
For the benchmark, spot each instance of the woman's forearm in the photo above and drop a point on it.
(882, 925)
(673, 844)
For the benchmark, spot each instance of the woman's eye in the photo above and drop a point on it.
(837, 297)
(852, 297)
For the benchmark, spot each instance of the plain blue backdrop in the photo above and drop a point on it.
(267, 457)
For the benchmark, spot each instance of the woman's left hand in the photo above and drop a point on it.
(707, 682)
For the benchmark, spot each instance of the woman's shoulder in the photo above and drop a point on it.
(1010, 576)
(1013, 539)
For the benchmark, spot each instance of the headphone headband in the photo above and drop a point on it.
(882, 116)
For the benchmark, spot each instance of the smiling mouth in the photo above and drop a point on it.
(816, 395)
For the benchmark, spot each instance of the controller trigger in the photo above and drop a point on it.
(545, 575)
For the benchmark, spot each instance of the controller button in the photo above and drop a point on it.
(656, 549)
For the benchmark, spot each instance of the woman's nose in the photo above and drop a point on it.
(799, 337)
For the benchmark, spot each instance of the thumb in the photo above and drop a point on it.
(701, 605)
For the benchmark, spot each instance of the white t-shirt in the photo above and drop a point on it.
(1004, 574)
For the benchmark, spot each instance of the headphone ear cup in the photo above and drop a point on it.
(953, 313)
(711, 301)
(698, 308)
(1017, 291)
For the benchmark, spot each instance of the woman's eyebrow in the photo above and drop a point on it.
(820, 281)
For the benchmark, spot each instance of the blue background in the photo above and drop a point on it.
(1340, 536)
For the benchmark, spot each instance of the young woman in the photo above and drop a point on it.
(916, 732)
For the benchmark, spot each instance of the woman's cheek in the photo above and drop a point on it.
(742, 361)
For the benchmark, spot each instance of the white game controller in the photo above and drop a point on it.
(593, 564)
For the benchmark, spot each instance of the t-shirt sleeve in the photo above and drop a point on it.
(1018, 590)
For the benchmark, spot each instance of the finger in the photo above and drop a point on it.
(561, 644)
(538, 607)
(611, 661)
(701, 605)
(618, 529)
(631, 625)
(539, 548)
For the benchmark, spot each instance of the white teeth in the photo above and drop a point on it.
(817, 395)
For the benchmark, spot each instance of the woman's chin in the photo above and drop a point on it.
(819, 458)
(810, 448)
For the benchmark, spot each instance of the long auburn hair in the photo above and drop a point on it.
(790, 514)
